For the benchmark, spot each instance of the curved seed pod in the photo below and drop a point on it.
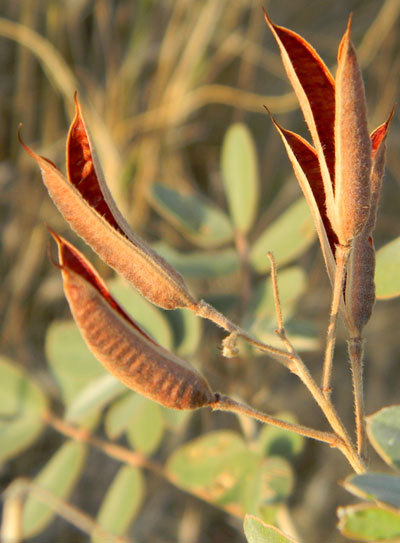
(315, 89)
(86, 203)
(121, 345)
(360, 286)
(352, 146)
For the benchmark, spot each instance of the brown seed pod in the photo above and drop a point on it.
(360, 286)
(86, 203)
(121, 345)
(352, 146)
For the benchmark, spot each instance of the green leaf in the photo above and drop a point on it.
(119, 415)
(269, 482)
(140, 418)
(59, 477)
(175, 420)
(146, 314)
(146, 427)
(369, 522)
(187, 331)
(202, 264)
(94, 397)
(375, 486)
(274, 441)
(22, 404)
(287, 238)
(240, 175)
(121, 502)
(387, 276)
(257, 531)
(214, 465)
(384, 433)
(197, 219)
(71, 362)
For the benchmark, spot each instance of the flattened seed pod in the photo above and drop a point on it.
(121, 345)
(86, 203)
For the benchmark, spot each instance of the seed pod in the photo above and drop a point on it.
(86, 203)
(360, 286)
(352, 146)
(121, 345)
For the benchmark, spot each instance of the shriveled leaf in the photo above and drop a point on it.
(384, 433)
(202, 264)
(200, 221)
(257, 531)
(369, 523)
(240, 175)
(22, 405)
(94, 397)
(387, 276)
(375, 486)
(287, 237)
(148, 316)
(121, 502)
(120, 344)
(274, 441)
(146, 426)
(58, 476)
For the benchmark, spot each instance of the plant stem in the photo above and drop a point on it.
(356, 353)
(126, 456)
(301, 370)
(207, 311)
(18, 490)
(342, 254)
(225, 403)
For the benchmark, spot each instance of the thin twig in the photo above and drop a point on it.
(342, 254)
(225, 403)
(356, 353)
(301, 370)
(207, 311)
(19, 489)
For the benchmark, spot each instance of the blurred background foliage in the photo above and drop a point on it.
(162, 83)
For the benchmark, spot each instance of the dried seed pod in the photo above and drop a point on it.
(360, 286)
(86, 203)
(352, 146)
(121, 345)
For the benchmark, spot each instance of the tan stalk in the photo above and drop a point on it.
(225, 403)
(356, 354)
(342, 254)
(301, 370)
(18, 491)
